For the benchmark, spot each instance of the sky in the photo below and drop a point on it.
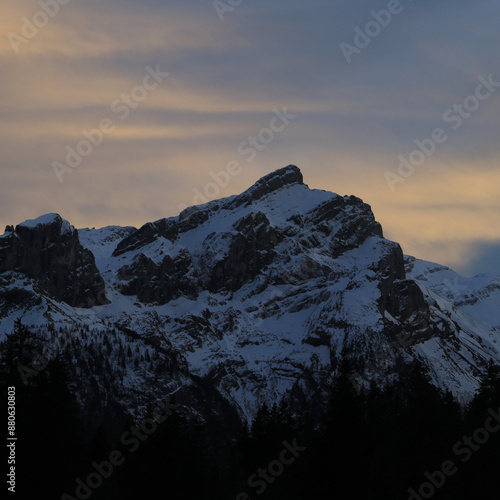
(123, 112)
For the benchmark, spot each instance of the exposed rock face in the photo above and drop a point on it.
(270, 183)
(253, 297)
(162, 282)
(147, 234)
(347, 220)
(251, 249)
(48, 251)
(229, 257)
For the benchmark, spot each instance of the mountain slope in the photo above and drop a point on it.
(254, 297)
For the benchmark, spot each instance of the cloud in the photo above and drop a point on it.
(484, 256)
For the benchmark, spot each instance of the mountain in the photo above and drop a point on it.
(48, 253)
(244, 300)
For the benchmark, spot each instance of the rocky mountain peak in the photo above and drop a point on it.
(283, 177)
(257, 296)
(51, 219)
(227, 243)
(48, 251)
(278, 179)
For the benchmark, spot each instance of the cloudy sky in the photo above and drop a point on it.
(359, 89)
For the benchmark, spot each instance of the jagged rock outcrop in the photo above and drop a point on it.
(231, 256)
(48, 251)
(287, 176)
(254, 297)
(148, 233)
(250, 250)
(162, 282)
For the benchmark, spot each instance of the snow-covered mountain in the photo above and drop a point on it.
(243, 300)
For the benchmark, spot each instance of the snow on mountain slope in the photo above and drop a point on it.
(48, 219)
(258, 295)
(103, 241)
(478, 296)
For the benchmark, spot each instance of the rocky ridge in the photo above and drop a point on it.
(252, 298)
(48, 252)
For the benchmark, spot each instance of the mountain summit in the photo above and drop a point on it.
(256, 296)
